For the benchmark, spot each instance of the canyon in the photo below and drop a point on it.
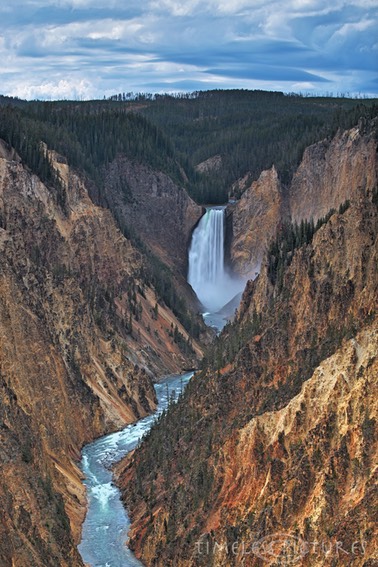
(277, 434)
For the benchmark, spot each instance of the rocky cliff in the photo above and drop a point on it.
(81, 337)
(329, 174)
(332, 171)
(154, 208)
(253, 221)
(272, 452)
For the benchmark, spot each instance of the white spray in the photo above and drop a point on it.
(207, 275)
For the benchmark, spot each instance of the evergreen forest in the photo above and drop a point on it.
(246, 131)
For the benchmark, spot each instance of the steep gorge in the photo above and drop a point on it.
(84, 330)
(278, 433)
(82, 337)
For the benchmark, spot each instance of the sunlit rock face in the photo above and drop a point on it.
(253, 221)
(329, 174)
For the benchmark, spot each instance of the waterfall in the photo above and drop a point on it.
(206, 255)
(207, 275)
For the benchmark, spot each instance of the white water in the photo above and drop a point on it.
(107, 523)
(207, 274)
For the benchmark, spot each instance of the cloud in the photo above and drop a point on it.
(84, 48)
(267, 73)
(176, 8)
(62, 89)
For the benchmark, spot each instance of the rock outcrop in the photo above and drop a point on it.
(81, 337)
(253, 221)
(329, 174)
(211, 164)
(154, 208)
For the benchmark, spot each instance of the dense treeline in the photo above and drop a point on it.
(226, 346)
(90, 137)
(24, 134)
(249, 130)
(12, 100)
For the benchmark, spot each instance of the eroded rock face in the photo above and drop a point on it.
(80, 339)
(253, 221)
(330, 174)
(160, 212)
(306, 470)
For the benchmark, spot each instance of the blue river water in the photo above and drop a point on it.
(106, 525)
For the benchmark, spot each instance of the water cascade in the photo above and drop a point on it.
(207, 274)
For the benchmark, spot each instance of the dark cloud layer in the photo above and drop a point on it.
(79, 48)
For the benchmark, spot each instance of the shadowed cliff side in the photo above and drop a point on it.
(329, 174)
(277, 435)
(154, 208)
(81, 336)
(158, 216)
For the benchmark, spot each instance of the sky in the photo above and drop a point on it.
(82, 49)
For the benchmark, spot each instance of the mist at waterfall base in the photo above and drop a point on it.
(214, 286)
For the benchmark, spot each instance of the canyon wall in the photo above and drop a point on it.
(329, 174)
(81, 338)
(154, 208)
(252, 222)
(274, 444)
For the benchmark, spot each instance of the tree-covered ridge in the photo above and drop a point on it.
(250, 130)
(24, 135)
(88, 136)
(290, 237)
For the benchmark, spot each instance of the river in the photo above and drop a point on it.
(107, 523)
